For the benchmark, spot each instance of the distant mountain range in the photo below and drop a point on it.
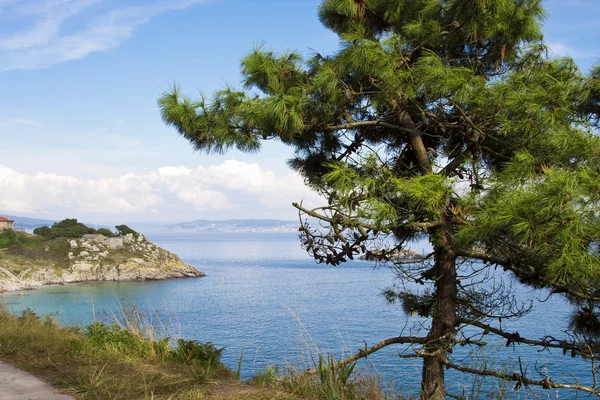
(199, 226)
(28, 223)
(225, 226)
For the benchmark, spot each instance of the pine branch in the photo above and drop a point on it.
(411, 226)
(359, 124)
(454, 164)
(546, 342)
(509, 265)
(521, 379)
(363, 353)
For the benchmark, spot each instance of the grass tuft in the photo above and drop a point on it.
(103, 362)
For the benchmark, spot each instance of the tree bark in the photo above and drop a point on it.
(443, 324)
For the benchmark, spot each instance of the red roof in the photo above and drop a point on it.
(6, 219)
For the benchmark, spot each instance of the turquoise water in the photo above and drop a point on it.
(265, 296)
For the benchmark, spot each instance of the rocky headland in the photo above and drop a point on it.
(91, 258)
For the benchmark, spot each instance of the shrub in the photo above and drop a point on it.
(106, 232)
(69, 228)
(126, 342)
(189, 351)
(8, 238)
(42, 231)
(123, 230)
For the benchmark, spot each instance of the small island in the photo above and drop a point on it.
(71, 252)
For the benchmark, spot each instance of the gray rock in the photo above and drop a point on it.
(150, 263)
(114, 243)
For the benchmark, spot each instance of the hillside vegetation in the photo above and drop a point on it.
(114, 362)
(64, 253)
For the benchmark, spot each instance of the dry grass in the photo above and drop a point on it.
(34, 253)
(132, 360)
(73, 362)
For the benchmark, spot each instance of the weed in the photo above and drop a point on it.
(200, 373)
(190, 351)
(238, 372)
(103, 362)
(269, 376)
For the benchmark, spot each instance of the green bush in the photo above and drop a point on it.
(71, 228)
(125, 342)
(8, 238)
(105, 232)
(68, 228)
(123, 230)
(42, 231)
(137, 346)
(190, 351)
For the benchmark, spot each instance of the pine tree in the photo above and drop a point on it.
(438, 119)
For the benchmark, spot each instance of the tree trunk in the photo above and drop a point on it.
(443, 324)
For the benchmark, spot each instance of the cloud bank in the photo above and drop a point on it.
(62, 30)
(232, 189)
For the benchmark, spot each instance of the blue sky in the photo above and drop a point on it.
(80, 131)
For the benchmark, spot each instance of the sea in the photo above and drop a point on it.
(269, 304)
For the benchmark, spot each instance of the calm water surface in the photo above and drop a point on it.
(265, 296)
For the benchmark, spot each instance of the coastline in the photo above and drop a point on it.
(92, 259)
(11, 286)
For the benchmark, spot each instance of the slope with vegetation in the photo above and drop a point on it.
(132, 359)
(72, 252)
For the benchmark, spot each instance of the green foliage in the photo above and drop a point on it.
(334, 377)
(269, 376)
(238, 371)
(104, 362)
(68, 228)
(437, 119)
(123, 230)
(71, 228)
(192, 351)
(333, 381)
(42, 231)
(126, 342)
(10, 238)
(106, 232)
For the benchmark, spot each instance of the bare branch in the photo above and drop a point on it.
(546, 383)
(547, 342)
(411, 226)
(362, 353)
(359, 124)
(509, 265)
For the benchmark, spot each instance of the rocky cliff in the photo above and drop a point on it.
(89, 259)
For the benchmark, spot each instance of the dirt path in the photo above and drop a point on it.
(19, 385)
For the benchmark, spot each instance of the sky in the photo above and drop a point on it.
(80, 131)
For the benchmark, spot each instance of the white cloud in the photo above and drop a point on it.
(26, 121)
(47, 41)
(231, 189)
